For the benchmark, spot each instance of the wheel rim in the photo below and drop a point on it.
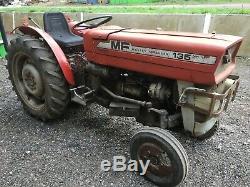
(32, 80)
(168, 164)
(28, 81)
(160, 163)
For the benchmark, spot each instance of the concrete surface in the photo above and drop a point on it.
(19, 18)
(233, 25)
(190, 23)
(8, 21)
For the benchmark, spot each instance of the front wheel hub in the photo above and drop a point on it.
(32, 80)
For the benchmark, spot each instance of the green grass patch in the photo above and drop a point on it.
(127, 9)
(133, 2)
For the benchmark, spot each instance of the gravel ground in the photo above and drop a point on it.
(68, 152)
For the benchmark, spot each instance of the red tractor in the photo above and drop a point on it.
(166, 80)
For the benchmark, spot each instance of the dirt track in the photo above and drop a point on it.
(68, 152)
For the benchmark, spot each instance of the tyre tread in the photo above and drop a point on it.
(57, 90)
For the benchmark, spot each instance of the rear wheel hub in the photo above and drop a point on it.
(32, 80)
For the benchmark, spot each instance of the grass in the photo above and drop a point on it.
(126, 9)
(179, 1)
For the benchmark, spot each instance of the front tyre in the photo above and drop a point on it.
(37, 78)
(168, 160)
(210, 133)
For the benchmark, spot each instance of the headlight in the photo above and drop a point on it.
(227, 58)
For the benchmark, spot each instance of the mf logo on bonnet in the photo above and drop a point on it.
(119, 45)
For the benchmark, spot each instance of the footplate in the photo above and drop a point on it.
(82, 95)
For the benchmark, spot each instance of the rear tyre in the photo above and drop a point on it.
(37, 78)
(168, 159)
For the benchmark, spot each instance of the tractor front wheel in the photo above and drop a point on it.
(168, 162)
(37, 78)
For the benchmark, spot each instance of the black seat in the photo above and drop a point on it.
(56, 25)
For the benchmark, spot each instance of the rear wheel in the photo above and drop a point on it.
(168, 160)
(37, 78)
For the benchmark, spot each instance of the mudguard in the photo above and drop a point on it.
(56, 49)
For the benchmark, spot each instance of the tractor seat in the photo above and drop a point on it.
(57, 27)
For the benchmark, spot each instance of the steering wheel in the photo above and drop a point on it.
(83, 25)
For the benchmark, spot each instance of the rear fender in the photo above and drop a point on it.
(56, 49)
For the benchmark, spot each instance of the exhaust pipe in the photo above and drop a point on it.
(3, 34)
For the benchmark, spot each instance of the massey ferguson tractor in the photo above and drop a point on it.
(167, 81)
